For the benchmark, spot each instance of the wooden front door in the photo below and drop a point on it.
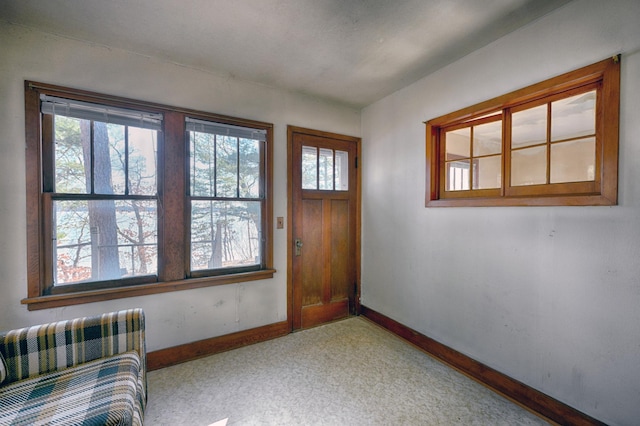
(324, 250)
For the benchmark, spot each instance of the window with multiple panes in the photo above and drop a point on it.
(100, 193)
(226, 197)
(127, 198)
(553, 143)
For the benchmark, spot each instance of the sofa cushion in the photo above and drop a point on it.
(104, 392)
(3, 369)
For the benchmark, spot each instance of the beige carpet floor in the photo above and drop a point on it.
(349, 372)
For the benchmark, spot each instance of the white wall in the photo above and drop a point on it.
(172, 318)
(547, 295)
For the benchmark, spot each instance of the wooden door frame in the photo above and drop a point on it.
(291, 130)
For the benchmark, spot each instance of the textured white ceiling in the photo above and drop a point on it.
(351, 51)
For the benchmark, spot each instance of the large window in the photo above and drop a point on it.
(100, 193)
(553, 143)
(127, 198)
(226, 197)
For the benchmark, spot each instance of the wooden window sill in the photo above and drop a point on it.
(568, 200)
(68, 299)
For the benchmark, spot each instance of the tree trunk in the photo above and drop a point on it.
(216, 255)
(102, 213)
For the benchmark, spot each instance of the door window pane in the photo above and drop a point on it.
(574, 117)
(573, 161)
(325, 169)
(309, 167)
(342, 171)
(529, 127)
(529, 166)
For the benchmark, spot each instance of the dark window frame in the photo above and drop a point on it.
(172, 189)
(605, 75)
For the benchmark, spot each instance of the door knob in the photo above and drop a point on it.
(298, 244)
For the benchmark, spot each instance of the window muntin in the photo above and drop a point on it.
(226, 197)
(142, 181)
(559, 142)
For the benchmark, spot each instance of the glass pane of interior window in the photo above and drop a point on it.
(487, 173)
(574, 117)
(458, 144)
(529, 166)
(202, 164)
(143, 150)
(342, 171)
(457, 176)
(104, 240)
(249, 168)
(225, 234)
(226, 166)
(573, 161)
(487, 139)
(309, 167)
(70, 173)
(529, 127)
(325, 169)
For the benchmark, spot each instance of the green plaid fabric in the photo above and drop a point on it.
(45, 348)
(3, 369)
(102, 392)
(51, 348)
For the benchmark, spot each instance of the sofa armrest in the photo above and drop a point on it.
(41, 349)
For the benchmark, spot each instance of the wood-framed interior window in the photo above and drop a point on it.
(552, 143)
(126, 198)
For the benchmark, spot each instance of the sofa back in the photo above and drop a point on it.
(45, 348)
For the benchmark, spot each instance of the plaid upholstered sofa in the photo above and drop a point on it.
(85, 371)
